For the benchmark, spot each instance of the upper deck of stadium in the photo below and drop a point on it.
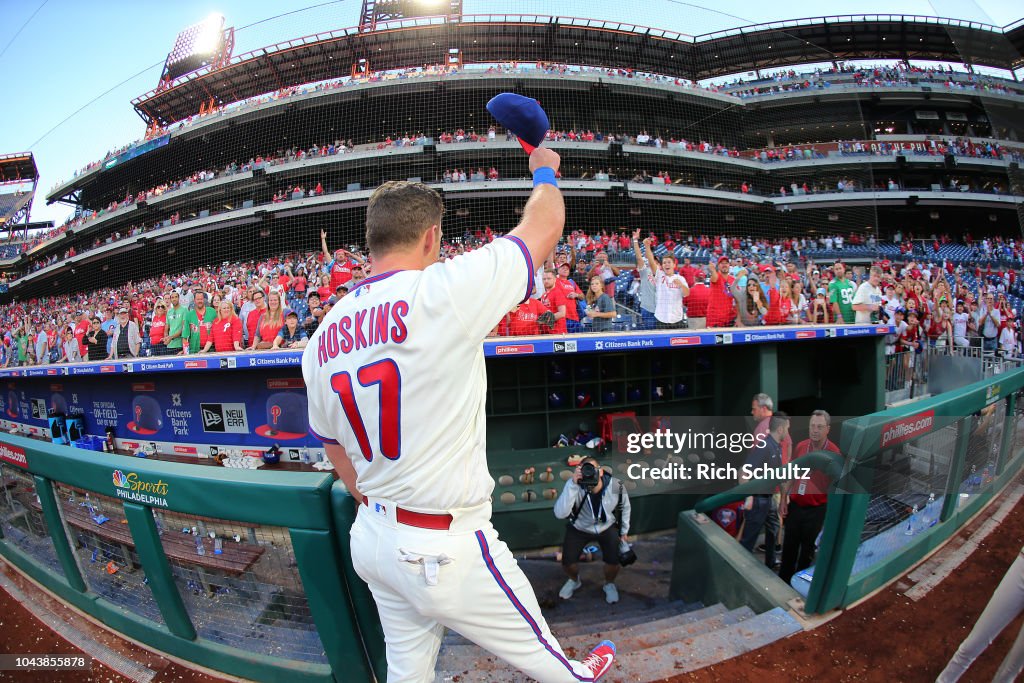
(495, 38)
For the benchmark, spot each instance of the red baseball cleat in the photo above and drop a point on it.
(600, 659)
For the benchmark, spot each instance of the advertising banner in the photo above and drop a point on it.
(212, 409)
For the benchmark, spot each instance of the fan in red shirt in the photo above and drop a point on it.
(689, 273)
(521, 321)
(775, 314)
(697, 301)
(340, 269)
(804, 511)
(299, 282)
(553, 299)
(572, 295)
(721, 304)
(252, 320)
(226, 331)
(284, 280)
(910, 339)
(80, 331)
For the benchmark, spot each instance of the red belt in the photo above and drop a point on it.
(421, 520)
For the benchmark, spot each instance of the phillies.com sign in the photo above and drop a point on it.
(14, 455)
(908, 428)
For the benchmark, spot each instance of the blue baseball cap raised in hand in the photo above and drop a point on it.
(521, 115)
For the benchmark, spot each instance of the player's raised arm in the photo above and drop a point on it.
(544, 214)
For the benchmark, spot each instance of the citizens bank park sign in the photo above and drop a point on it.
(907, 428)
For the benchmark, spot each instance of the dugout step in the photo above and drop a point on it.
(608, 620)
(663, 632)
(565, 625)
(647, 651)
(640, 632)
(657, 663)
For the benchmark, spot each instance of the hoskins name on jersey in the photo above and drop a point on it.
(374, 325)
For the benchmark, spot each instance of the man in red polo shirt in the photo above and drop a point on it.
(721, 304)
(553, 299)
(572, 294)
(81, 328)
(804, 512)
(697, 302)
(689, 273)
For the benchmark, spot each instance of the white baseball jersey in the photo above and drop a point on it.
(395, 374)
(669, 291)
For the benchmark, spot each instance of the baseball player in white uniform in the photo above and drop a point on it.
(396, 384)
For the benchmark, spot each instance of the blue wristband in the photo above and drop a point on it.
(545, 175)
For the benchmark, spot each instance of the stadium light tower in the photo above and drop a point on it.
(375, 11)
(207, 43)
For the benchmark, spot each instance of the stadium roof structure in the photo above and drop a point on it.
(18, 168)
(489, 38)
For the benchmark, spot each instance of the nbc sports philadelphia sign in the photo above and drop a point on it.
(138, 490)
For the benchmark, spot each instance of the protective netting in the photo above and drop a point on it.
(907, 492)
(769, 145)
(21, 518)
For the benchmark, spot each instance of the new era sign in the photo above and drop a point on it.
(224, 418)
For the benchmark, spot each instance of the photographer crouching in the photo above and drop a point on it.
(597, 507)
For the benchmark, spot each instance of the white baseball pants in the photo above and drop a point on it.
(463, 578)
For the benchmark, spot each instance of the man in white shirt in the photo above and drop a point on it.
(960, 326)
(1007, 340)
(988, 322)
(868, 298)
(670, 288)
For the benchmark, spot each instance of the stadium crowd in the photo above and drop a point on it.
(822, 184)
(772, 83)
(598, 282)
(889, 75)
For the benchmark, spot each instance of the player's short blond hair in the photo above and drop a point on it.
(398, 213)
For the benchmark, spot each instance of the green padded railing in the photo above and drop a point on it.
(853, 558)
(837, 581)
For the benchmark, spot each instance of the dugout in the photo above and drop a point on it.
(197, 409)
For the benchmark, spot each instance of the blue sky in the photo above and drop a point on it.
(72, 51)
